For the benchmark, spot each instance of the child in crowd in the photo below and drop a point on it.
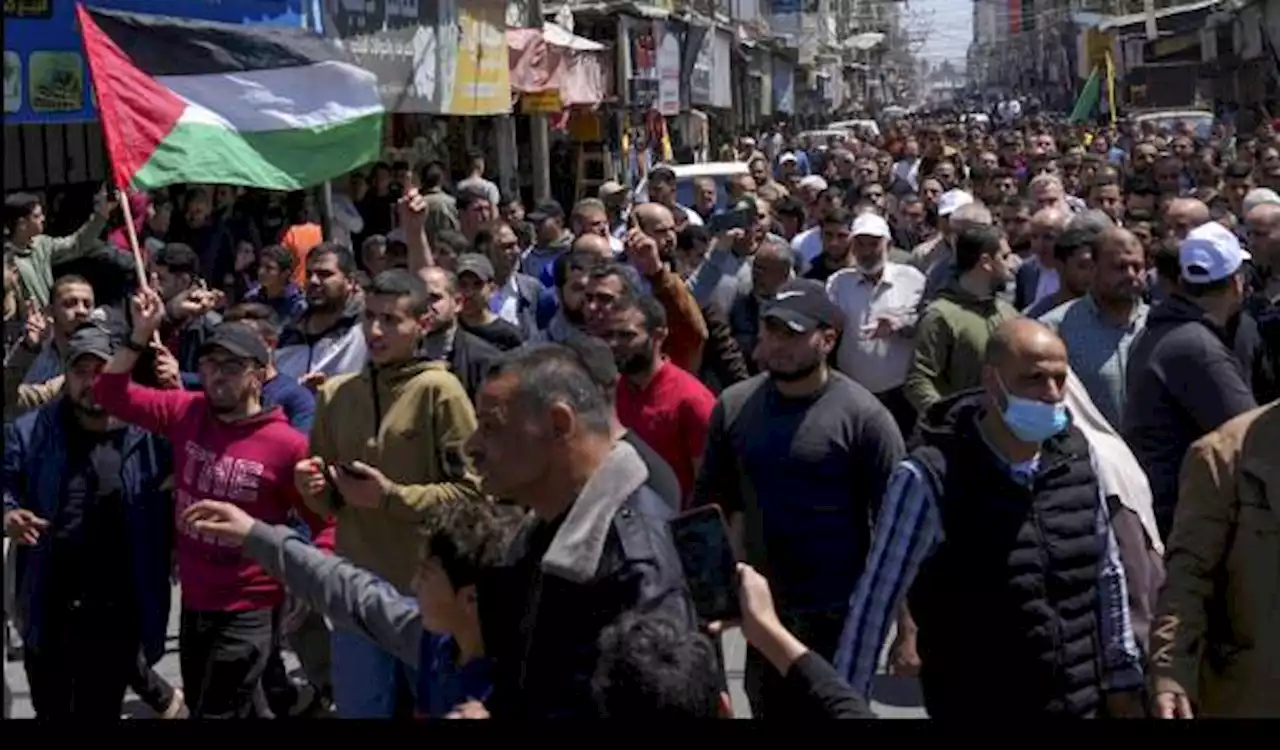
(439, 634)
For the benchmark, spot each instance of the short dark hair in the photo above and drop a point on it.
(1166, 259)
(258, 316)
(18, 206)
(572, 261)
(397, 282)
(654, 314)
(552, 373)
(651, 666)
(452, 241)
(789, 206)
(468, 536)
(975, 242)
(470, 195)
(280, 254)
(346, 260)
(838, 215)
(178, 258)
(1238, 170)
(1072, 241)
(630, 277)
(1142, 185)
(67, 280)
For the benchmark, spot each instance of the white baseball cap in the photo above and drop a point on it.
(787, 157)
(814, 181)
(951, 200)
(870, 225)
(1210, 253)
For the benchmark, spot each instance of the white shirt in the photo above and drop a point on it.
(878, 364)
(908, 170)
(509, 293)
(1047, 283)
(807, 245)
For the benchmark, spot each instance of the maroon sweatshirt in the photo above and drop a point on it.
(249, 463)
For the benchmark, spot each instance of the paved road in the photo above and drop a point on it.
(896, 698)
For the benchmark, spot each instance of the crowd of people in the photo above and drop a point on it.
(1006, 397)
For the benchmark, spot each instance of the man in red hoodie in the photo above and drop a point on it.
(226, 447)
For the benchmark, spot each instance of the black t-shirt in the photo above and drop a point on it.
(662, 478)
(90, 547)
(499, 332)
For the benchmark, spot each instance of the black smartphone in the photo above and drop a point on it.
(734, 218)
(349, 468)
(702, 541)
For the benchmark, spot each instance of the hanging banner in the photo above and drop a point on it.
(442, 57)
(668, 70)
(45, 80)
(642, 62)
(696, 67)
(784, 90)
(722, 70)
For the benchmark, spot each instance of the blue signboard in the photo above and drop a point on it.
(45, 78)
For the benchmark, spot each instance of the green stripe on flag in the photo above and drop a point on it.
(200, 152)
(1090, 95)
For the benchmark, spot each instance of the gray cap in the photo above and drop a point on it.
(474, 263)
(90, 338)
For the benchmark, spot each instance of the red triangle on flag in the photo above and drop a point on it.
(136, 110)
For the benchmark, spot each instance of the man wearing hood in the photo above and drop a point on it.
(953, 331)
(1000, 511)
(386, 452)
(1184, 380)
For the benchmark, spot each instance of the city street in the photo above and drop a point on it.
(898, 698)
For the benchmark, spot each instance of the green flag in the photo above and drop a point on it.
(1087, 104)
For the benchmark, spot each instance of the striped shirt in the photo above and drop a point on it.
(908, 530)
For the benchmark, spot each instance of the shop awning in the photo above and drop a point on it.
(555, 59)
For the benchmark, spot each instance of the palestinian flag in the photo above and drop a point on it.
(203, 102)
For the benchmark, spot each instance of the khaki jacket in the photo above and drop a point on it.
(1217, 631)
(413, 432)
(20, 397)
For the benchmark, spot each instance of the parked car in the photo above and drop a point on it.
(720, 171)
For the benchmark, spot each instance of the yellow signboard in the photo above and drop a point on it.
(541, 103)
(482, 84)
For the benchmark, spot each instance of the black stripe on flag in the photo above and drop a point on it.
(168, 46)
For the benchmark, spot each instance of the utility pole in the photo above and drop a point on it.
(539, 138)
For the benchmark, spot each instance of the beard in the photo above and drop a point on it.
(798, 374)
(637, 361)
(87, 408)
(576, 318)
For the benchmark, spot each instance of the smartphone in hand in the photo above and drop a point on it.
(350, 469)
(702, 541)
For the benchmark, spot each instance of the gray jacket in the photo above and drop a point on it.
(351, 597)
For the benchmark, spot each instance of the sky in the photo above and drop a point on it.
(948, 25)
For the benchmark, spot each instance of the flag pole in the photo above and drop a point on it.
(133, 241)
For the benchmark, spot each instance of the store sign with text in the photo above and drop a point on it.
(445, 57)
(45, 78)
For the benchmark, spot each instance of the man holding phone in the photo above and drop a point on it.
(386, 449)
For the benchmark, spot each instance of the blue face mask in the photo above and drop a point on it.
(1030, 420)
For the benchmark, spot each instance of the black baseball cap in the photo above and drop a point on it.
(803, 305)
(546, 210)
(240, 340)
(474, 263)
(90, 338)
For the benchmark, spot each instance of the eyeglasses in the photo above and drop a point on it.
(230, 367)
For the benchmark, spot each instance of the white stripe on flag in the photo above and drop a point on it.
(296, 98)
